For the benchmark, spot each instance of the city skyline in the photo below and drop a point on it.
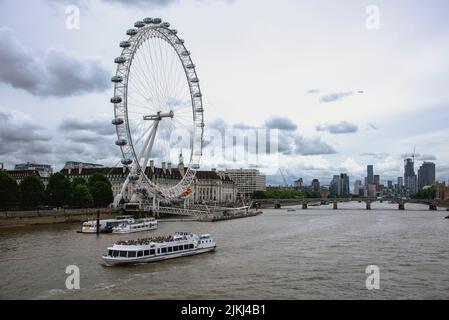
(329, 123)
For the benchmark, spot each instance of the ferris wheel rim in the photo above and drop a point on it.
(143, 32)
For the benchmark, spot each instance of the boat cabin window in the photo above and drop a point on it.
(140, 254)
(146, 253)
(122, 254)
(170, 249)
(132, 254)
(115, 253)
(175, 249)
(151, 252)
(158, 251)
(180, 248)
(191, 246)
(186, 247)
(164, 250)
(110, 253)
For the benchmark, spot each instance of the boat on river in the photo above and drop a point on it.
(153, 249)
(136, 225)
(106, 226)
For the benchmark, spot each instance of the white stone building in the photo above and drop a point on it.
(209, 187)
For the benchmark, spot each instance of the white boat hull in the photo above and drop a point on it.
(122, 261)
(124, 231)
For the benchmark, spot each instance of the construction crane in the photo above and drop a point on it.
(283, 178)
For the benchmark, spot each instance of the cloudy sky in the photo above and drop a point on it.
(344, 88)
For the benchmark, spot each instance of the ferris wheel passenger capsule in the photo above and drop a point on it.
(179, 41)
(134, 177)
(139, 24)
(197, 95)
(194, 80)
(127, 162)
(116, 99)
(148, 20)
(165, 24)
(185, 53)
(121, 142)
(120, 60)
(174, 31)
(117, 79)
(131, 32)
(125, 44)
(157, 20)
(118, 121)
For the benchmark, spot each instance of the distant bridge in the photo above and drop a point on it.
(305, 203)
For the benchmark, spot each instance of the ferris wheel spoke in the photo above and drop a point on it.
(149, 74)
(156, 72)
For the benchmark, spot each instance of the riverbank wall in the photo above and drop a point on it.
(10, 219)
(222, 217)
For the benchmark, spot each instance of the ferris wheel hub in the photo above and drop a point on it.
(159, 116)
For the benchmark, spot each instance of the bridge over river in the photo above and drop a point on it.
(306, 203)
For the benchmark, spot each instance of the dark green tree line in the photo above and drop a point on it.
(60, 192)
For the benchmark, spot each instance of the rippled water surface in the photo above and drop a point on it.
(308, 254)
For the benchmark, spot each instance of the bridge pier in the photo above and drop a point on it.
(401, 205)
(335, 205)
(368, 205)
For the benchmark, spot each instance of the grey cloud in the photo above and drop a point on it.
(332, 97)
(313, 91)
(22, 140)
(218, 124)
(312, 146)
(53, 73)
(281, 124)
(420, 157)
(426, 157)
(132, 3)
(338, 128)
(375, 155)
(21, 136)
(99, 126)
(144, 3)
(243, 126)
(288, 141)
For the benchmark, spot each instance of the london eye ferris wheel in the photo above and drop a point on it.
(157, 99)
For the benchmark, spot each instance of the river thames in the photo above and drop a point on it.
(318, 253)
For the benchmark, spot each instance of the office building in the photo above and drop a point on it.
(426, 175)
(370, 175)
(410, 179)
(247, 181)
(316, 185)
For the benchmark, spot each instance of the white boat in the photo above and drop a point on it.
(181, 244)
(106, 226)
(136, 225)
